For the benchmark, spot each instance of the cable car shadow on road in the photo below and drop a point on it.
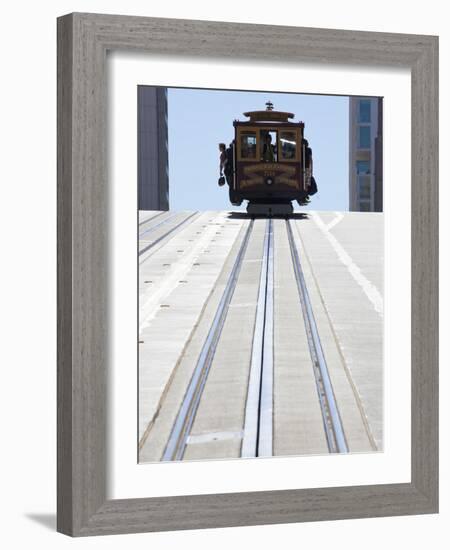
(246, 216)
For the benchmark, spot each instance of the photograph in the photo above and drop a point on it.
(260, 250)
(223, 249)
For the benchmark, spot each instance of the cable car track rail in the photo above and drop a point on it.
(257, 434)
(334, 430)
(147, 220)
(158, 224)
(258, 425)
(169, 232)
(181, 428)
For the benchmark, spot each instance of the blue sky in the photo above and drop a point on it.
(200, 119)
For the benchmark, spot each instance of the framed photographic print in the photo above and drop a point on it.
(247, 274)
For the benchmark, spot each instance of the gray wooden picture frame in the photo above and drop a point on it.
(83, 41)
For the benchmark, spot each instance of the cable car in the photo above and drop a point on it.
(272, 163)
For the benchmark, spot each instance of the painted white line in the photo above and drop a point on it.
(369, 289)
(339, 217)
(213, 436)
(154, 297)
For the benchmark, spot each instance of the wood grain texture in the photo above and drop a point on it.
(424, 276)
(64, 252)
(83, 316)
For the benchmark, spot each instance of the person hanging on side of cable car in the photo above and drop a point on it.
(229, 163)
(309, 158)
(222, 163)
(312, 187)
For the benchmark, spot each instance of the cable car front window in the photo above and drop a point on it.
(248, 145)
(288, 142)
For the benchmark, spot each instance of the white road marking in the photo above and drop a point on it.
(339, 217)
(152, 300)
(369, 289)
(213, 436)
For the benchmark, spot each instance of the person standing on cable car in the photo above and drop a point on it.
(229, 164)
(312, 185)
(268, 153)
(222, 163)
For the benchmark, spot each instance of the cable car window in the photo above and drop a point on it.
(248, 145)
(288, 142)
(269, 146)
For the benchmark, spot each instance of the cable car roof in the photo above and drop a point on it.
(268, 116)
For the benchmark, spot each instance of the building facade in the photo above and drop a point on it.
(153, 150)
(366, 154)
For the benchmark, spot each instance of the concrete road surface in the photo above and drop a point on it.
(185, 262)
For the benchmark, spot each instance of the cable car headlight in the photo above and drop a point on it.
(269, 180)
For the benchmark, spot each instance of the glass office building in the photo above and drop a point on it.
(153, 151)
(366, 154)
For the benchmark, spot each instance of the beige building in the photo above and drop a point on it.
(366, 154)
